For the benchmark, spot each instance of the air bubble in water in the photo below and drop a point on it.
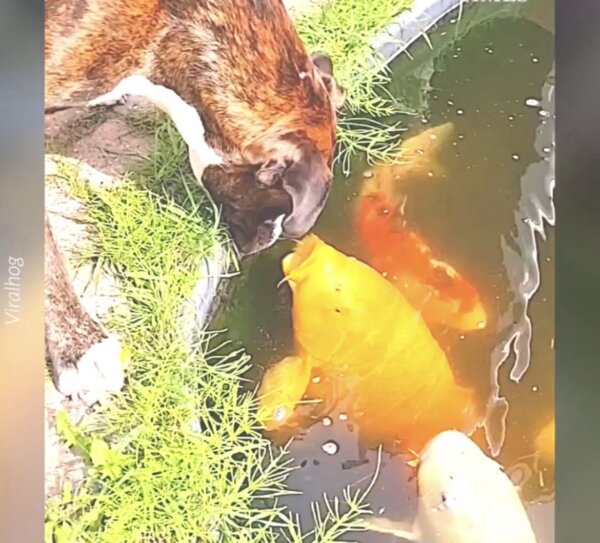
(450, 103)
(330, 447)
(511, 117)
(460, 111)
(280, 413)
(543, 113)
(368, 174)
(327, 421)
(532, 102)
(535, 60)
(516, 157)
(343, 416)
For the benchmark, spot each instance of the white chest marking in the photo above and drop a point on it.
(278, 227)
(185, 117)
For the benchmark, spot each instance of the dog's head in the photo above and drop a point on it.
(279, 199)
(284, 196)
(253, 211)
(306, 179)
(302, 165)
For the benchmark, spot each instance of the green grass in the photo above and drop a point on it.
(345, 30)
(178, 456)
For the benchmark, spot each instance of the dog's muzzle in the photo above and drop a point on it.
(308, 199)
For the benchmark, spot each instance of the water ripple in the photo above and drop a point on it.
(535, 211)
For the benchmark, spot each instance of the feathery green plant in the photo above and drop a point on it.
(345, 29)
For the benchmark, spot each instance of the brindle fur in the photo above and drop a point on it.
(238, 64)
(70, 331)
(268, 109)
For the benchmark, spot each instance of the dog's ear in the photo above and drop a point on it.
(254, 211)
(323, 63)
(307, 180)
(271, 173)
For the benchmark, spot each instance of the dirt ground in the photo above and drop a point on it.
(101, 145)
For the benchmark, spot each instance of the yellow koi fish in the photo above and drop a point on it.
(356, 326)
(282, 387)
(545, 442)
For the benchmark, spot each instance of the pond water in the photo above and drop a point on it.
(486, 209)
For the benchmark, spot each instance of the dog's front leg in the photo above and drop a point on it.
(185, 117)
(86, 362)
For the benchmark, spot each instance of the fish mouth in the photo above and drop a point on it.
(298, 259)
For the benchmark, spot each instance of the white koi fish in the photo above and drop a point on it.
(464, 497)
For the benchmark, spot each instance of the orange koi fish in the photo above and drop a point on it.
(417, 160)
(431, 285)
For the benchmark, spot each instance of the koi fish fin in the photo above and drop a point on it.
(397, 529)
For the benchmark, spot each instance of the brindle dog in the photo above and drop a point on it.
(256, 110)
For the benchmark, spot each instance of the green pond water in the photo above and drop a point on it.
(492, 215)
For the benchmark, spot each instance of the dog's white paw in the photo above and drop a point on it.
(67, 381)
(100, 372)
